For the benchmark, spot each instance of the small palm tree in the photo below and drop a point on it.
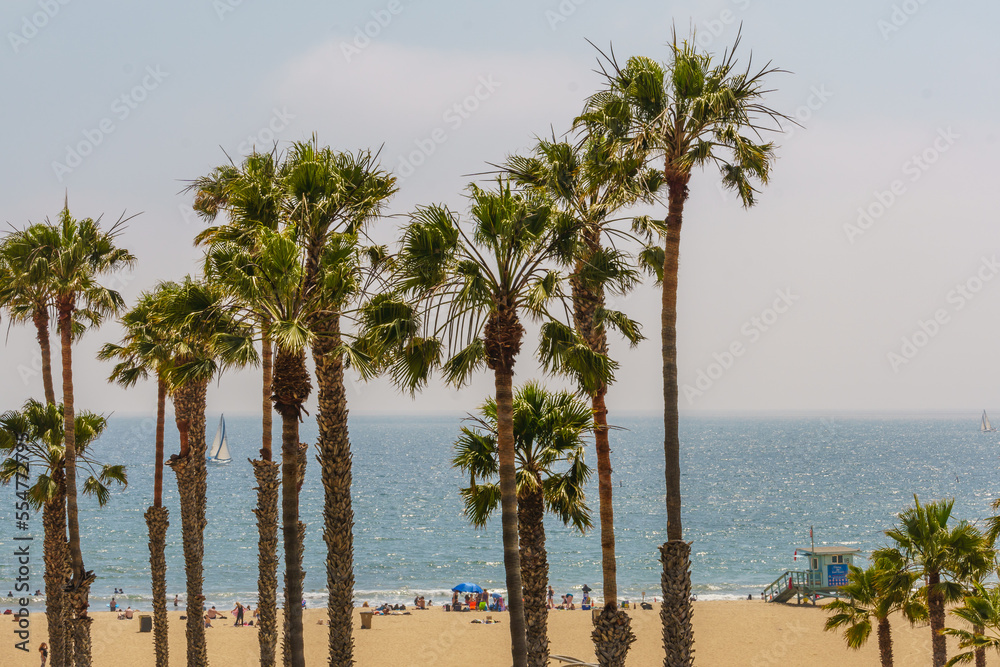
(690, 113)
(551, 473)
(981, 610)
(471, 289)
(875, 593)
(940, 554)
(146, 349)
(37, 431)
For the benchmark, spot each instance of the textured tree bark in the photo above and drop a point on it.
(676, 612)
(78, 590)
(508, 506)
(301, 477)
(40, 318)
(161, 411)
(190, 469)
(57, 572)
(266, 473)
(292, 386)
(266, 361)
(980, 652)
(935, 608)
(338, 514)
(534, 575)
(157, 521)
(885, 642)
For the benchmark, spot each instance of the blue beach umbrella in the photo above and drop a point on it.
(468, 588)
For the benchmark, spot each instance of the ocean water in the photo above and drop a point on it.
(752, 487)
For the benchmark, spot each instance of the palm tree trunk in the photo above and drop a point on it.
(504, 380)
(885, 642)
(291, 389)
(190, 469)
(338, 513)
(157, 519)
(676, 612)
(980, 652)
(300, 476)
(78, 591)
(56, 571)
(534, 575)
(41, 320)
(935, 608)
(266, 360)
(161, 412)
(266, 473)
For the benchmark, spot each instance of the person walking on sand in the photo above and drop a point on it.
(43, 650)
(175, 600)
(238, 612)
(551, 595)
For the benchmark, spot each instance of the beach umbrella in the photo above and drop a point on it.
(496, 595)
(468, 588)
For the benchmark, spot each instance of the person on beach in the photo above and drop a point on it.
(238, 612)
(113, 605)
(552, 593)
(211, 614)
(43, 650)
(208, 621)
(176, 599)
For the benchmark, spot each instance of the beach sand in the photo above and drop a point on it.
(739, 633)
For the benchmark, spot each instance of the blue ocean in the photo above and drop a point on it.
(753, 487)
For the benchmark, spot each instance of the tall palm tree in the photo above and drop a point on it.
(591, 182)
(272, 278)
(875, 593)
(548, 431)
(78, 252)
(146, 349)
(331, 198)
(25, 293)
(39, 429)
(251, 195)
(981, 610)
(940, 554)
(203, 339)
(691, 112)
(471, 291)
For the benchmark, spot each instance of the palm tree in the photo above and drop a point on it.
(940, 555)
(25, 293)
(591, 182)
(691, 112)
(78, 252)
(146, 349)
(981, 610)
(202, 339)
(251, 195)
(471, 290)
(38, 429)
(875, 593)
(548, 431)
(331, 198)
(272, 277)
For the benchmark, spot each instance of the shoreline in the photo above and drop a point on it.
(750, 633)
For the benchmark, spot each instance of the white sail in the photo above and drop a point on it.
(219, 452)
(986, 426)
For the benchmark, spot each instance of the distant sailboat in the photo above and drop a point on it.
(219, 453)
(986, 426)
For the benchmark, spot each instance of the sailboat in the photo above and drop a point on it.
(219, 452)
(986, 426)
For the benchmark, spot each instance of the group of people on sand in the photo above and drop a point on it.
(476, 601)
(238, 612)
(420, 603)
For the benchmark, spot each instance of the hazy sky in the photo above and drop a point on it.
(865, 279)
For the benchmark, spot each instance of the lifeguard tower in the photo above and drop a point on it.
(826, 574)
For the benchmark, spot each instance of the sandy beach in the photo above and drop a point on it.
(750, 633)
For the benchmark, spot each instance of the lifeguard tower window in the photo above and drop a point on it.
(815, 563)
(837, 559)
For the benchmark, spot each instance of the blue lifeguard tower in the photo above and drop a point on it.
(826, 573)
